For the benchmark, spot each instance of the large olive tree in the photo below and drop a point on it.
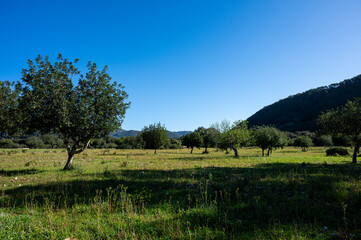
(50, 102)
(345, 121)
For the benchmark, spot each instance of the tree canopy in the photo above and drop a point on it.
(237, 136)
(267, 137)
(346, 121)
(155, 136)
(9, 114)
(50, 102)
(192, 140)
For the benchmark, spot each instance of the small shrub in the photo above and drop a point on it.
(337, 151)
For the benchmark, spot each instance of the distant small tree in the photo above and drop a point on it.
(323, 140)
(174, 144)
(155, 136)
(52, 140)
(210, 137)
(221, 127)
(98, 143)
(192, 140)
(34, 142)
(303, 142)
(6, 143)
(130, 142)
(237, 136)
(345, 121)
(341, 140)
(270, 138)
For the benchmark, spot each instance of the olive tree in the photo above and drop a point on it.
(192, 140)
(270, 138)
(50, 102)
(210, 137)
(155, 136)
(303, 142)
(346, 121)
(237, 136)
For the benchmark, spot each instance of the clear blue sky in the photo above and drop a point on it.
(191, 63)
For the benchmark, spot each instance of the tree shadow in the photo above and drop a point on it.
(249, 198)
(8, 173)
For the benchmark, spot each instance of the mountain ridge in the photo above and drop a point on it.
(299, 112)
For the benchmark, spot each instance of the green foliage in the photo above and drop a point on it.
(323, 141)
(192, 140)
(345, 121)
(130, 142)
(34, 142)
(303, 142)
(52, 141)
(267, 137)
(10, 117)
(334, 151)
(155, 136)
(110, 145)
(98, 143)
(174, 144)
(237, 136)
(209, 136)
(341, 140)
(6, 143)
(51, 103)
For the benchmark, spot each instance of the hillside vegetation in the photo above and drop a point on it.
(299, 112)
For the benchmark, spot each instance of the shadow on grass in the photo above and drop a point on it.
(8, 173)
(235, 199)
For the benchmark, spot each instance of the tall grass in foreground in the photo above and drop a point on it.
(175, 195)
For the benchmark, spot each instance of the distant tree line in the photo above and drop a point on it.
(339, 127)
(268, 138)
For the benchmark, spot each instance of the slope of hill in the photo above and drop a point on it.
(125, 133)
(299, 112)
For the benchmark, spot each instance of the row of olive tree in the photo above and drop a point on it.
(225, 136)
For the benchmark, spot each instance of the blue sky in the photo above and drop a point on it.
(191, 63)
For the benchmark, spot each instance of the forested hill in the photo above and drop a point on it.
(299, 112)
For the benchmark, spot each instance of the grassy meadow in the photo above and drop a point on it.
(135, 194)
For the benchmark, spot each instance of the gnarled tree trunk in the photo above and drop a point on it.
(235, 151)
(69, 162)
(72, 151)
(355, 151)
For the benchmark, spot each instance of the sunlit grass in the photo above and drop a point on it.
(135, 194)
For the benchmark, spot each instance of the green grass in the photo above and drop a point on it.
(134, 194)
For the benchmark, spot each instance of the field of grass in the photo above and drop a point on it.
(134, 194)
